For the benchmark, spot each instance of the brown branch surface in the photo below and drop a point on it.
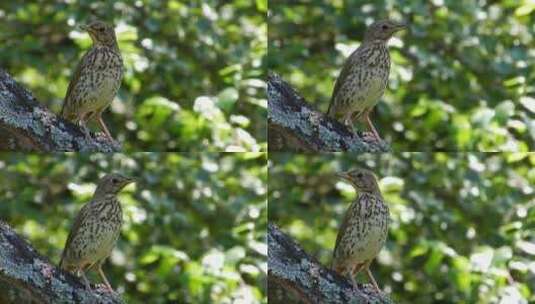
(28, 277)
(296, 126)
(292, 268)
(26, 125)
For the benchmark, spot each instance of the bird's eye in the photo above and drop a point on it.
(114, 180)
(384, 27)
(360, 175)
(100, 29)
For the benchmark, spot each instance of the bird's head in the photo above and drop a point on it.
(113, 183)
(101, 33)
(383, 30)
(362, 179)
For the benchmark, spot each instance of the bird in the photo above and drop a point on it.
(96, 80)
(95, 229)
(363, 231)
(364, 77)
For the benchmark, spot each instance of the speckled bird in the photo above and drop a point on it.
(364, 229)
(364, 77)
(96, 229)
(97, 79)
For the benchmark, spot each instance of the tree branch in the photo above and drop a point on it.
(26, 125)
(291, 267)
(294, 125)
(31, 277)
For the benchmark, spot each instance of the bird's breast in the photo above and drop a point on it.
(375, 87)
(366, 230)
(100, 79)
(109, 228)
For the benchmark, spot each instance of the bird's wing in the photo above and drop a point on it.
(74, 81)
(80, 217)
(341, 231)
(353, 59)
(345, 223)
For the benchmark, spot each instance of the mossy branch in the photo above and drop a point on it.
(295, 126)
(26, 125)
(31, 278)
(292, 268)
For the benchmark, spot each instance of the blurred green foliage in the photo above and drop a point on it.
(194, 227)
(462, 76)
(194, 70)
(462, 225)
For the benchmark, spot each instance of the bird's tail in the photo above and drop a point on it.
(63, 111)
(329, 109)
(67, 113)
(333, 265)
(61, 263)
(337, 264)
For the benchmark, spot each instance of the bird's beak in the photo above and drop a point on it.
(343, 175)
(127, 181)
(400, 26)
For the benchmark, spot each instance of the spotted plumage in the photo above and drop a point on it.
(364, 229)
(96, 80)
(364, 76)
(96, 228)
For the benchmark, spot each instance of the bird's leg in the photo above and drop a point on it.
(84, 129)
(370, 125)
(103, 126)
(371, 278)
(353, 281)
(357, 269)
(86, 282)
(101, 273)
(348, 121)
(353, 273)
(349, 274)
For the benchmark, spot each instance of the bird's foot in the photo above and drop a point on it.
(354, 282)
(101, 137)
(86, 283)
(372, 280)
(370, 136)
(87, 133)
(106, 288)
(377, 137)
(107, 137)
(366, 135)
(375, 288)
